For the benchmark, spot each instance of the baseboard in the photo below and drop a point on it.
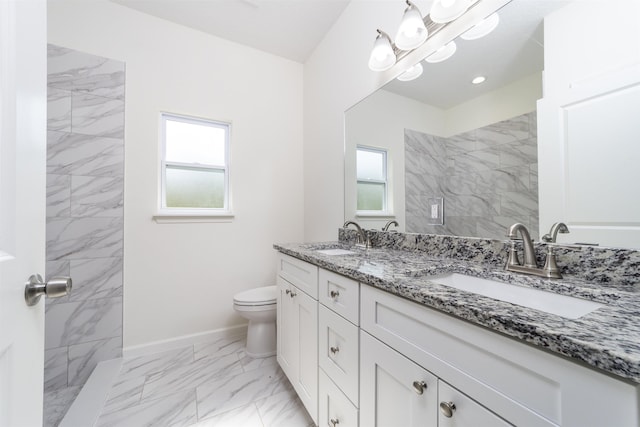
(183, 341)
(85, 410)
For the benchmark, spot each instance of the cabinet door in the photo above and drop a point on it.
(287, 342)
(394, 391)
(458, 410)
(306, 323)
(335, 409)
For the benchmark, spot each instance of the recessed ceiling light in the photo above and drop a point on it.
(478, 80)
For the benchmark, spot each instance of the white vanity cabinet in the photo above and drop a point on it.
(297, 328)
(338, 350)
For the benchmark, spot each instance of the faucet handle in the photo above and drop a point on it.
(550, 268)
(512, 259)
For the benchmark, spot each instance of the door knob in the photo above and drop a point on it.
(56, 287)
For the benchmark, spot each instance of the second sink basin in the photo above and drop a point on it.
(561, 305)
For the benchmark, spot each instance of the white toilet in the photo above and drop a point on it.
(258, 305)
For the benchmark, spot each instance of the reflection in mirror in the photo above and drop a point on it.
(473, 146)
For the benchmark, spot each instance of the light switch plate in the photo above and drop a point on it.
(435, 211)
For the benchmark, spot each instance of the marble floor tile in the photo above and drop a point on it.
(244, 416)
(194, 374)
(234, 391)
(124, 393)
(249, 363)
(57, 403)
(157, 362)
(219, 347)
(283, 410)
(178, 409)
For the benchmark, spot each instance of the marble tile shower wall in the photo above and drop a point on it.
(487, 177)
(85, 177)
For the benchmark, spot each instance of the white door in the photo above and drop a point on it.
(23, 66)
(394, 391)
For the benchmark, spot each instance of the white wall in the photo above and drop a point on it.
(179, 279)
(336, 77)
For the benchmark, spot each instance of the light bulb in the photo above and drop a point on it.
(382, 56)
(412, 31)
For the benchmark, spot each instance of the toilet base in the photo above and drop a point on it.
(261, 338)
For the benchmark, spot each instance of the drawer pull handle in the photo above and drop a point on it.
(334, 350)
(447, 409)
(334, 294)
(419, 386)
(334, 422)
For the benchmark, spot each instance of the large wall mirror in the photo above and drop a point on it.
(463, 158)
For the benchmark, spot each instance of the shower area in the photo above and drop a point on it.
(85, 203)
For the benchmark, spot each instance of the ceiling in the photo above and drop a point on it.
(514, 50)
(288, 28)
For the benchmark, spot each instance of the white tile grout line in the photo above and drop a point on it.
(86, 409)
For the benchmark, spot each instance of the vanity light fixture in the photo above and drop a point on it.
(382, 55)
(412, 31)
(444, 11)
(442, 54)
(412, 73)
(478, 80)
(482, 28)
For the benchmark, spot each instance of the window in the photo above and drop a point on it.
(195, 166)
(371, 175)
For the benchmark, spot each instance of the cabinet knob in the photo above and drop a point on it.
(292, 294)
(288, 291)
(419, 386)
(447, 409)
(334, 422)
(334, 294)
(334, 350)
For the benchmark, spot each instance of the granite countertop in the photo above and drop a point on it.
(607, 339)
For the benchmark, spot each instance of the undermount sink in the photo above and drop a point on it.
(335, 251)
(561, 305)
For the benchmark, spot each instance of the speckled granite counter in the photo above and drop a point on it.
(607, 339)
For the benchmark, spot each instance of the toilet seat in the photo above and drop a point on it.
(262, 296)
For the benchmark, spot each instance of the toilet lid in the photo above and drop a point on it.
(257, 296)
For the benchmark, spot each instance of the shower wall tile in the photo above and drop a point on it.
(87, 155)
(487, 177)
(55, 368)
(58, 195)
(83, 321)
(81, 72)
(97, 196)
(96, 278)
(58, 109)
(84, 357)
(96, 115)
(75, 238)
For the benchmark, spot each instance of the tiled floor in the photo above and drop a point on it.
(209, 384)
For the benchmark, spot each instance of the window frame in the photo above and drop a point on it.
(385, 211)
(174, 214)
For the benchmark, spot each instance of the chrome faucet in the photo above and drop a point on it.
(362, 240)
(530, 265)
(558, 227)
(388, 224)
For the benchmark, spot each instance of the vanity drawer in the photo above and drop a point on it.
(335, 410)
(340, 294)
(299, 273)
(338, 351)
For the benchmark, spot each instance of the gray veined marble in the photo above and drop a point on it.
(82, 72)
(157, 362)
(57, 402)
(99, 116)
(58, 195)
(96, 278)
(58, 109)
(83, 321)
(87, 155)
(283, 410)
(84, 357)
(55, 368)
(97, 196)
(76, 238)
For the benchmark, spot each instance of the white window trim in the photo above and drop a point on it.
(386, 211)
(182, 215)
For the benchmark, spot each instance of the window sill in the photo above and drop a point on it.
(192, 217)
(364, 214)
